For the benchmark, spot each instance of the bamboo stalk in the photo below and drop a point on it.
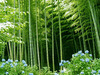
(60, 32)
(95, 26)
(30, 35)
(37, 35)
(82, 30)
(20, 34)
(94, 53)
(57, 49)
(35, 52)
(46, 36)
(53, 40)
(42, 60)
(75, 44)
(80, 41)
(10, 50)
(89, 43)
(14, 34)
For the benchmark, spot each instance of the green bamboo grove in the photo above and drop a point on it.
(44, 32)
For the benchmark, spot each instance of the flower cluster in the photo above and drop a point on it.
(4, 62)
(81, 63)
(13, 64)
(56, 74)
(63, 61)
(93, 72)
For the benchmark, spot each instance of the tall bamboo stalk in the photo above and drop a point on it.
(57, 48)
(17, 35)
(94, 53)
(89, 43)
(14, 33)
(37, 35)
(75, 44)
(46, 35)
(28, 46)
(23, 34)
(35, 52)
(11, 57)
(92, 10)
(82, 30)
(25, 17)
(60, 32)
(53, 40)
(1, 47)
(20, 33)
(79, 41)
(30, 35)
(42, 60)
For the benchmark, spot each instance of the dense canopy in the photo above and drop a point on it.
(44, 32)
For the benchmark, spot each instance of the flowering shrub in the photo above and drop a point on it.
(82, 64)
(11, 67)
(7, 26)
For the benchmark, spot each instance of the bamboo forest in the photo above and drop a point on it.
(49, 37)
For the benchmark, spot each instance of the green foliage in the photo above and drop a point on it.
(78, 63)
(82, 64)
(9, 29)
(21, 68)
(77, 19)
